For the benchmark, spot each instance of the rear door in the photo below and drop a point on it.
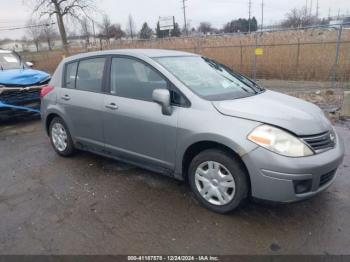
(134, 126)
(82, 100)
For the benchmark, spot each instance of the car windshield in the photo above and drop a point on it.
(209, 79)
(9, 60)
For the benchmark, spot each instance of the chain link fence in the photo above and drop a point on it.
(312, 62)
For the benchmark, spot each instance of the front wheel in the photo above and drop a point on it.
(218, 180)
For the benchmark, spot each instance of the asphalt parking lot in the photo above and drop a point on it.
(91, 205)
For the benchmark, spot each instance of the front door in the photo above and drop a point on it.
(134, 126)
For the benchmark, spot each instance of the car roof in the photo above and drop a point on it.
(151, 53)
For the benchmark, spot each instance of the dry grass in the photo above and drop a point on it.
(293, 55)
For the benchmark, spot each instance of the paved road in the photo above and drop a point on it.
(92, 205)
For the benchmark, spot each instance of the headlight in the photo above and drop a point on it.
(279, 141)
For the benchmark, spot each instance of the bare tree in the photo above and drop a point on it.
(62, 9)
(301, 17)
(205, 27)
(34, 32)
(48, 33)
(85, 29)
(109, 30)
(105, 27)
(131, 27)
(116, 31)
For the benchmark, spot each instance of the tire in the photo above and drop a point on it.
(67, 150)
(226, 189)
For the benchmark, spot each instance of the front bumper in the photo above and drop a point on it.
(274, 177)
(20, 99)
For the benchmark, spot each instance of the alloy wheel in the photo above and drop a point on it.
(59, 137)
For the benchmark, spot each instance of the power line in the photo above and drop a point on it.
(24, 27)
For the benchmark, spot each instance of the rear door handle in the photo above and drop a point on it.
(65, 97)
(112, 106)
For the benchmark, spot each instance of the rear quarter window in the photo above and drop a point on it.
(70, 75)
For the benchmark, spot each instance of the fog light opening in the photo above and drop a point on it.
(302, 186)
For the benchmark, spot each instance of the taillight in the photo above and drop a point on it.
(45, 90)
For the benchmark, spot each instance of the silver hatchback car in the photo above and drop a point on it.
(189, 117)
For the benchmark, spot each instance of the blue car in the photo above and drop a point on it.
(20, 85)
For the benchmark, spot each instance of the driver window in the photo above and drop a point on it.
(133, 79)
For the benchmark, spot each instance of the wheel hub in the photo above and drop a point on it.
(215, 182)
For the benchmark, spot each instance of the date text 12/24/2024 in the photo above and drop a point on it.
(173, 258)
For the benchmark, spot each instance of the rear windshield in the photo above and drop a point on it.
(9, 61)
(209, 79)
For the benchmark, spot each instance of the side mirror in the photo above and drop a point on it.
(29, 64)
(162, 97)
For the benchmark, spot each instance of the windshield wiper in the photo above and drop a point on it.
(219, 67)
(212, 64)
(245, 80)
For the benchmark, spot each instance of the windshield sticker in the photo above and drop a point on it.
(10, 59)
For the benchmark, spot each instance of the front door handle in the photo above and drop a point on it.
(65, 97)
(112, 106)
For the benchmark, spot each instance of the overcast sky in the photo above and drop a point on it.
(218, 12)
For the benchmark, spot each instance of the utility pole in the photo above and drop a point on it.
(310, 12)
(262, 15)
(249, 14)
(306, 5)
(185, 19)
(317, 9)
(329, 13)
(93, 30)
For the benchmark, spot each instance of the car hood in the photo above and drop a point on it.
(22, 77)
(293, 114)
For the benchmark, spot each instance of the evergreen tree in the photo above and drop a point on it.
(146, 32)
(241, 25)
(253, 24)
(176, 31)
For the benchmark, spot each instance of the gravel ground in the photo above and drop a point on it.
(92, 205)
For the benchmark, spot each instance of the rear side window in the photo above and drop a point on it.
(71, 71)
(90, 74)
(133, 79)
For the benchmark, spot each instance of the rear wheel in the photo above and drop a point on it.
(218, 180)
(60, 137)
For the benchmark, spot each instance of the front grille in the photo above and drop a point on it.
(321, 142)
(327, 177)
(20, 97)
